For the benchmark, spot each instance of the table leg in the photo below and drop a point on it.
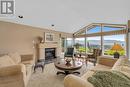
(42, 68)
(76, 72)
(60, 73)
(67, 72)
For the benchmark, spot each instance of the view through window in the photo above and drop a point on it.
(109, 41)
(102, 37)
(80, 45)
(93, 43)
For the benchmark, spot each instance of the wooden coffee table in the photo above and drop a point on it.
(68, 68)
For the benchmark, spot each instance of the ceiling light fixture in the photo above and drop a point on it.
(52, 25)
(20, 16)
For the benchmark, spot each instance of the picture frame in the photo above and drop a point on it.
(49, 37)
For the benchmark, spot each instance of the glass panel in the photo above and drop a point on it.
(69, 42)
(105, 29)
(93, 42)
(94, 29)
(63, 44)
(109, 41)
(80, 45)
(81, 33)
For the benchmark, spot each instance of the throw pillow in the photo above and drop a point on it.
(15, 57)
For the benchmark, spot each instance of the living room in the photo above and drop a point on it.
(64, 43)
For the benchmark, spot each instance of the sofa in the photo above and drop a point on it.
(15, 70)
(105, 63)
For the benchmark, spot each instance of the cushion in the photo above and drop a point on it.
(127, 63)
(27, 62)
(15, 57)
(74, 81)
(101, 67)
(119, 62)
(6, 61)
(10, 70)
(122, 65)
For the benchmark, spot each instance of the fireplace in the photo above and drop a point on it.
(50, 53)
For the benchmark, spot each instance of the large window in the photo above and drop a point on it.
(108, 28)
(94, 29)
(69, 42)
(80, 45)
(102, 36)
(92, 43)
(109, 41)
(63, 44)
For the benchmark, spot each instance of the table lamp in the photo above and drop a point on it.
(116, 47)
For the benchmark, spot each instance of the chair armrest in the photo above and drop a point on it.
(106, 60)
(74, 81)
(27, 57)
(91, 56)
(12, 70)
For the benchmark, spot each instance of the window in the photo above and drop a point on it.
(103, 36)
(63, 44)
(92, 43)
(82, 33)
(109, 41)
(94, 29)
(108, 28)
(80, 45)
(69, 42)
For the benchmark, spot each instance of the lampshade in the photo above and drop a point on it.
(117, 47)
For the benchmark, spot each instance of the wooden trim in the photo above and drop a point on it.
(99, 24)
(124, 31)
(102, 47)
(84, 28)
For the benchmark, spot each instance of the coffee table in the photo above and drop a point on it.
(68, 68)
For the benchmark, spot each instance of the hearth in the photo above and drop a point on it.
(50, 53)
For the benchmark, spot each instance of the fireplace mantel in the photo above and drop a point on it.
(48, 45)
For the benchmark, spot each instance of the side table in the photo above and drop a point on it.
(40, 64)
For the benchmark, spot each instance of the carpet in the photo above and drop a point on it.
(48, 78)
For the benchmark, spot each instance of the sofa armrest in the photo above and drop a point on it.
(74, 81)
(106, 60)
(13, 76)
(27, 57)
(12, 70)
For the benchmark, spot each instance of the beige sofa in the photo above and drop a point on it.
(15, 70)
(104, 63)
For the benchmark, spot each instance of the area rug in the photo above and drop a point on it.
(48, 78)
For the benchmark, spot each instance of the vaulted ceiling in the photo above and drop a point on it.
(70, 15)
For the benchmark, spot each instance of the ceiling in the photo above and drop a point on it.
(70, 15)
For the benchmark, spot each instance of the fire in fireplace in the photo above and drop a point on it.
(50, 53)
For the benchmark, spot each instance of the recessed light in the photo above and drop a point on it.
(52, 25)
(20, 16)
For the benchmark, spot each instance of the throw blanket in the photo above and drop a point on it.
(109, 79)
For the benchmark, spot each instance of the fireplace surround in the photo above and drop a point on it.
(50, 53)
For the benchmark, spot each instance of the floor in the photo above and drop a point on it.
(48, 78)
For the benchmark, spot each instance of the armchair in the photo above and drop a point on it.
(93, 57)
(69, 52)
